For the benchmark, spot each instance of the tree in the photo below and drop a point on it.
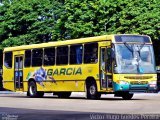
(34, 21)
(28, 21)
(90, 18)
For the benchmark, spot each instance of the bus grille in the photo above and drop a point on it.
(138, 82)
(138, 89)
(138, 77)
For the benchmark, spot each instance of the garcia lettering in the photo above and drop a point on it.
(65, 71)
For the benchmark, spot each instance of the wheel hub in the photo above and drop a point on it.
(92, 90)
(32, 90)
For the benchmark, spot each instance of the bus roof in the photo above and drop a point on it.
(68, 42)
(60, 43)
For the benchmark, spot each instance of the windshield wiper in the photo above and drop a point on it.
(132, 48)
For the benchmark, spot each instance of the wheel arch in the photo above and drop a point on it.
(31, 79)
(89, 79)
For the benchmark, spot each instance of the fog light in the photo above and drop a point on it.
(153, 84)
(123, 82)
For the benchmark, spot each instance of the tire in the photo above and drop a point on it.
(28, 93)
(91, 91)
(127, 96)
(32, 90)
(63, 94)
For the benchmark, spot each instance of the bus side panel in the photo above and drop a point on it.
(61, 78)
(26, 77)
(8, 79)
(65, 85)
(25, 86)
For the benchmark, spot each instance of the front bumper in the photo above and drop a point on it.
(134, 88)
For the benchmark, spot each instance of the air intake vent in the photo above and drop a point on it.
(138, 82)
(138, 77)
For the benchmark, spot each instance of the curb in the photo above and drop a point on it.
(10, 92)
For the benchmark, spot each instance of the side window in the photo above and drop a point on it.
(37, 55)
(62, 55)
(8, 59)
(49, 56)
(76, 54)
(109, 60)
(27, 62)
(91, 53)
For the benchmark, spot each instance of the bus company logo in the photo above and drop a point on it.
(40, 75)
(65, 71)
(139, 82)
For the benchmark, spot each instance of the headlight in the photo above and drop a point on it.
(155, 77)
(123, 82)
(153, 82)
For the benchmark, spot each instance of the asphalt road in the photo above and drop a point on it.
(17, 106)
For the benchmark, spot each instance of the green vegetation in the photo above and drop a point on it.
(28, 21)
(36, 21)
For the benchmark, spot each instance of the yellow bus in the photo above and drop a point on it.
(110, 64)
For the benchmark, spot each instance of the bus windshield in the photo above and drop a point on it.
(134, 58)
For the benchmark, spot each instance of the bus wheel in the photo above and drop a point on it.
(32, 90)
(28, 93)
(127, 96)
(91, 91)
(63, 94)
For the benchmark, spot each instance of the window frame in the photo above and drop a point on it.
(67, 46)
(75, 54)
(27, 58)
(37, 57)
(84, 55)
(10, 67)
(49, 56)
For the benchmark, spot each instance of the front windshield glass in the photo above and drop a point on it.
(134, 58)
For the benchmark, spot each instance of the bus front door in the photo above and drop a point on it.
(18, 72)
(106, 68)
